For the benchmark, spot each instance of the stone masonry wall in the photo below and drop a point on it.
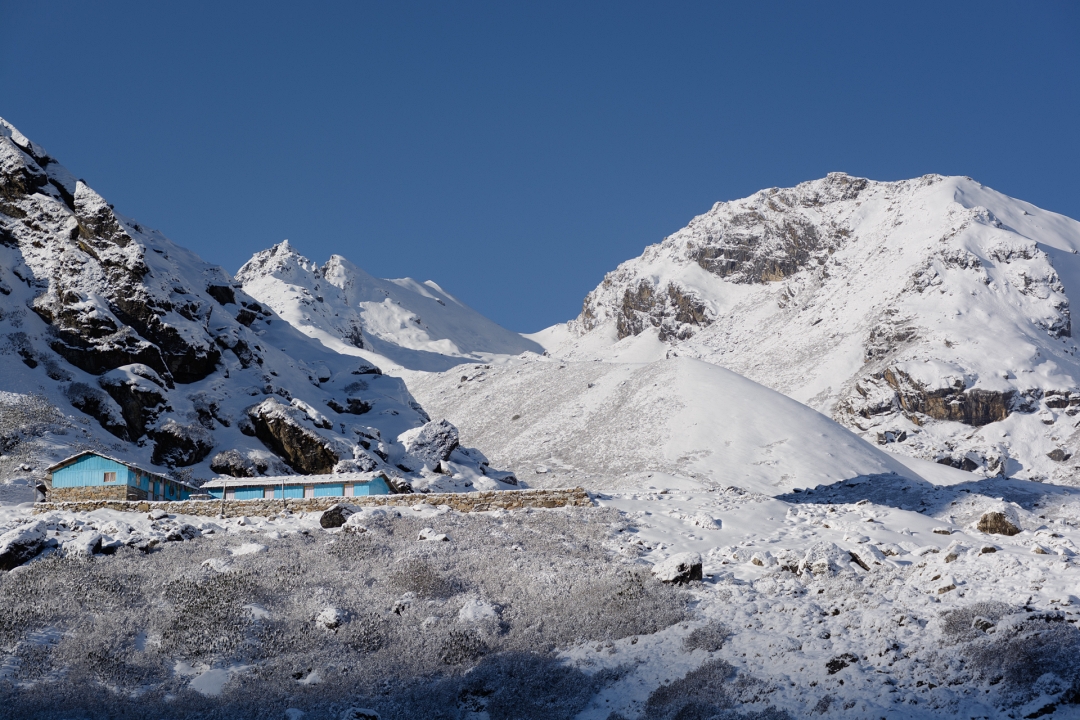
(462, 502)
(95, 493)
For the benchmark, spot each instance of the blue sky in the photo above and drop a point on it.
(516, 152)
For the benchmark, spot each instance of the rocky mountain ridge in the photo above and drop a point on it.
(119, 339)
(930, 315)
(396, 323)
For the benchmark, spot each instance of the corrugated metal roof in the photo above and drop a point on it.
(68, 460)
(334, 479)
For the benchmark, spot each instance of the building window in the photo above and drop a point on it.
(110, 477)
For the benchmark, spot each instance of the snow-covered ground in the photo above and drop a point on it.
(873, 597)
(930, 317)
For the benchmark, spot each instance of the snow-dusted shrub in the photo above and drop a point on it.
(970, 622)
(710, 637)
(1023, 650)
(523, 686)
(712, 691)
(116, 628)
(418, 576)
(24, 417)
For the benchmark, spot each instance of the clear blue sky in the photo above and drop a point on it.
(516, 152)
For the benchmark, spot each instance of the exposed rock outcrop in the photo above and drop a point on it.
(21, 544)
(97, 404)
(280, 428)
(179, 445)
(140, 393)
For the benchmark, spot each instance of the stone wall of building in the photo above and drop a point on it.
(95, 493)
(462, 502)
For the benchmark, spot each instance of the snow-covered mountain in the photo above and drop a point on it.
(116, 338)
(396, 323)
(931, 315)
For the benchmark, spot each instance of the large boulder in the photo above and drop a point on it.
(679, 568)
(179, 445)
(336, 516)
(432, 442)
(1000, 522)
(280, 428)
(21, 544)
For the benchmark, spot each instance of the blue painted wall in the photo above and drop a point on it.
(90, 470)
(375, 487)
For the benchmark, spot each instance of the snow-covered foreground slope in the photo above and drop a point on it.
(561, 423)
(933, 313)
(869, 598)
(115, 338)
(398, 324)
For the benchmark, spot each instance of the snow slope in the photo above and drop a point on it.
(116, 338)
(560, 423)
(933, 313)
(398, 324)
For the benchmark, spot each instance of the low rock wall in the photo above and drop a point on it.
(95, 493)
(462, 502)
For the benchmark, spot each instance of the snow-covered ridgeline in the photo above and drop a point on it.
(396, 323)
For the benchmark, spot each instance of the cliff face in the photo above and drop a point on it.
(933, 310)
(150, 352)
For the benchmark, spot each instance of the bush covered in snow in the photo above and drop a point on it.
(127, 631)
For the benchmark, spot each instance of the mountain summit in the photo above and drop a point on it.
(397, 323)
(931, 315)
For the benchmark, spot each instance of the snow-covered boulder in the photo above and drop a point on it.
(83, 545)
(1002, 520)
(679, 568)
(330, 618)
(432, 443)
(336, 516)
(430, 534)
(824, 558)
(21, 544)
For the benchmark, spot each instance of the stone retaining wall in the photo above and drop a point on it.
(463, 502)
(95, 493)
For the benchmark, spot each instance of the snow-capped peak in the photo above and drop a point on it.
(401, 323)
(932, 312)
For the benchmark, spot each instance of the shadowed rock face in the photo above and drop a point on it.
(674, 311)
(280, 430)
(972, 407)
